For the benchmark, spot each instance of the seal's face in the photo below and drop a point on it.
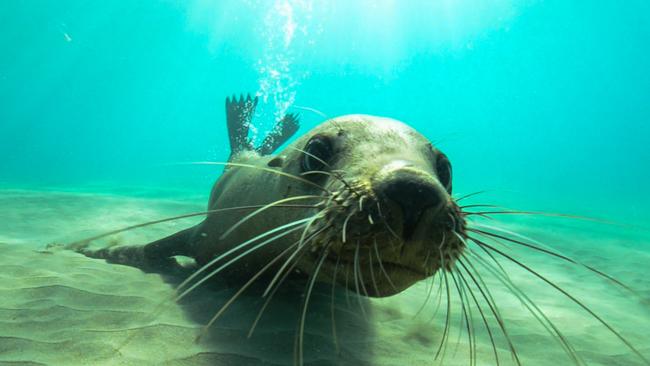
(388, 219)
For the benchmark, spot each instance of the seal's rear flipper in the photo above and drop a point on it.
(239, 114)
(280, 134)
(155, 256)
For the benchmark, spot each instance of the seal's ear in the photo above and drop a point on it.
(239, 114)
(275, 162)
(282, 132)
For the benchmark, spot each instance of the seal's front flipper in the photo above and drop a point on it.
(239, 114)
(282, 132)
(155, 256)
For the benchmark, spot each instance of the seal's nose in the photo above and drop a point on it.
(414, 195)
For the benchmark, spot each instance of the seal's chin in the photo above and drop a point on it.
(402, 277)
(381, 264)
(377, 280)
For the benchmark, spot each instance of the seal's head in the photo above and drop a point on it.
(387, 219)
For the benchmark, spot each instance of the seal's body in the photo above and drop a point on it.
(360, 201)
(358, 197)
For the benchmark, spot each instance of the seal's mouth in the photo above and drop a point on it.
(399, 221)
(381, 246)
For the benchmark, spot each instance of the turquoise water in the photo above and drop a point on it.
(545, 104)
(547, 100)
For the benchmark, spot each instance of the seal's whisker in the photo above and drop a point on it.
(264, 208)
(480, 214)
(80, 244)
(471, 315)
(248, 284)
(464, 319)
(336, 174)
(356, 280)
(480, 310)
(345, 226)
(234, 260)
(310, 109)
(361, 280)
(480, 279)
(445, 332)
(260, 313)
(461, 322)
(322, 172)
(426, 261)
(381, 266)
(537, 312)
(312, 280)
(317, 158)
(485, 263)
(448, 312)
(237, 247)
(469, 311)
(551, 252)
(426, 299)
(570, 297)
(276, 288)
(372, 272)
(541, 213)
(269, 170)
(534, 310)
(468, 195)
(347, 283)
(439, 299)
(317, 216)
(478, 205)
(484, 250)
(175, 296)
(332, 307)
(383, 219)
(492, 307)
(301, 243)
(266, 303)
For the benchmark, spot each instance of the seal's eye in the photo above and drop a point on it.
(317, 153)
(443, 170)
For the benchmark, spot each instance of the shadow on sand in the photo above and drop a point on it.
(274, 340)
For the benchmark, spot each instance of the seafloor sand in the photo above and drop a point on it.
(60, 308)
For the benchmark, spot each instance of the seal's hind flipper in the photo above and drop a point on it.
(155, 256)
(239, 114)
(282, 132)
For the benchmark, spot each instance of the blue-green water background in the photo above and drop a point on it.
(545, 102)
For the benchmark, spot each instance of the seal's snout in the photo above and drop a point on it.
(414, 194)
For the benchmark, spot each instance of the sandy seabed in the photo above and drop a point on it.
(61, 308)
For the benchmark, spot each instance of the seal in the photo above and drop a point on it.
(358, 197)
(359, 201)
